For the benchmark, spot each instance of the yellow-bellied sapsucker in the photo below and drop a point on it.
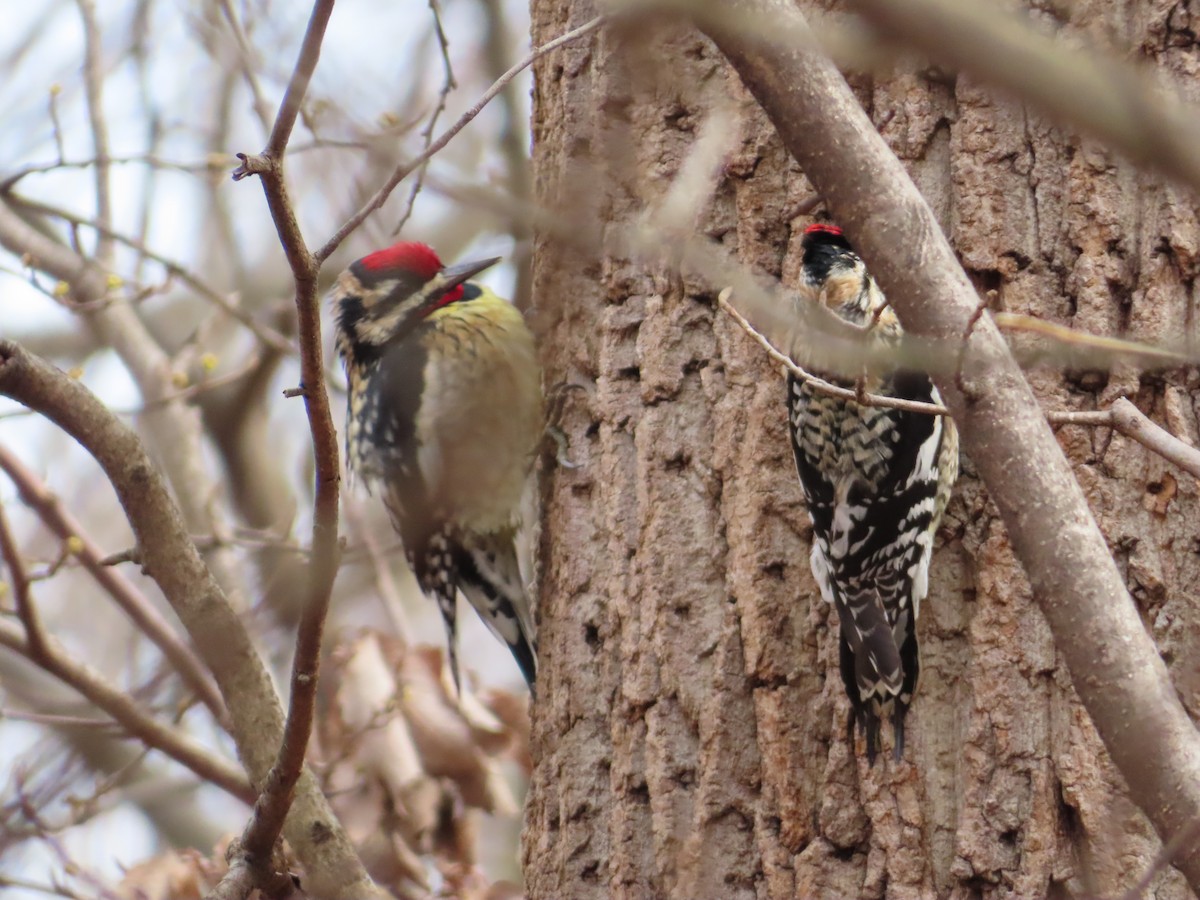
(876, 481)
(444, 416)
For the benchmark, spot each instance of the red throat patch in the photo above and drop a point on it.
(405, 257)
(822, 228)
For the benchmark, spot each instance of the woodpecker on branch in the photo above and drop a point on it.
(876, 481)
(444, 417)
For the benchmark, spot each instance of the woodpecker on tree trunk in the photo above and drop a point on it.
(444, 417)
(876, 481)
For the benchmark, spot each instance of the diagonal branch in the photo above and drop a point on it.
(171, 558)
(173, 428)
(246, 62)
(403, 170)
(1122, 416)
(39, 498)
(820, 385)
(1114, 665)
(35, 635)
(54, 658)
(1126, 418)
(269, 336)
(93, 80)
(310, 52)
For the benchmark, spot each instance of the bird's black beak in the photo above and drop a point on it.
(452, 276)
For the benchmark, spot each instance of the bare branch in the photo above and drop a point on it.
(93, 79)
(1088, 417)
(172, 426)
(56, 123)
(310, 52)
(105, 724)
(55, 659)
(173, 561)
(246, 61)
(269, 336)
(1068, 341)
(405, 169)
(149, 160)
(513, 144)
(439, 107)
(35, 635)
(820, 385)
(385, 583)
(1114, 665)
(139, 609)
(1129, 421)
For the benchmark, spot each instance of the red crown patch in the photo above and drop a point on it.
(406, 256)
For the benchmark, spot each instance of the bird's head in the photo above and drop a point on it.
(387, 293)
(837, 274)
(826, 252)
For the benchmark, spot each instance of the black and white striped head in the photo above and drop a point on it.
(838, 274)
(826, 251)
(386, 294)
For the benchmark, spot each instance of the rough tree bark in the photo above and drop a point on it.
(689, 725)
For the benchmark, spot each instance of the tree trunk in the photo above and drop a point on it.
(690, 725)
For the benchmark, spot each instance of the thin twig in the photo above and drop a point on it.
(45, 832)
(405, 169)
(137, 723)
(155, 131)
(257, 539)
(1126, 418)
(136, 605)
(385, 582)
(448, 84)
(1068, 338)
(197, 388)
(145, 159)
(60, 721)
(803, 208)
(310, 52)
(93, 80)
(513, 142)
(965, 341)
(1088, 417)
(332, 867)
(55, 122)
(246, 60)
(269, 336)
(53, 890)
(822, 386)
(35, 635)
(1165, 856)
